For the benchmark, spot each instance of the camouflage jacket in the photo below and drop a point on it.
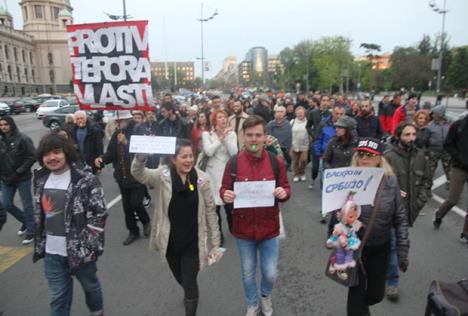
(85, 217)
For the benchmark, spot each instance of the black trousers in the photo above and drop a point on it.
(132, 201)
(371, 290)
(287, 157)
(228, 211)
(184, 264)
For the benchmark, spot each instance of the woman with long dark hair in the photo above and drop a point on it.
(183, 218)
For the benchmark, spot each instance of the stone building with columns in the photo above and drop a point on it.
(35, 59)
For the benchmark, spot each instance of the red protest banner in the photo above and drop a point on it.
(111, 67)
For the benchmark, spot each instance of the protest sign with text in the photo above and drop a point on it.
(111, 67)
(337, 183)
(152, 144)
(254, 194)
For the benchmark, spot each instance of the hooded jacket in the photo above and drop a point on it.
(17, 155)
(413, 176)
(327, 131)
(85, 217)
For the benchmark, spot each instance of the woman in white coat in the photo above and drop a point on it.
(219, 145)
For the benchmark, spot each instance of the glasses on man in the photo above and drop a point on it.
(362, 154)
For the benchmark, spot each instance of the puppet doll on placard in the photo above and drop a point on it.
(344, 237)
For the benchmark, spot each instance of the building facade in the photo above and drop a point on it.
(259, 67)
(184, 70)
(35, 60)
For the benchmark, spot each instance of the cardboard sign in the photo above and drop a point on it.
(254, 194)
(152, 144)
(111, 67)
(337, 183)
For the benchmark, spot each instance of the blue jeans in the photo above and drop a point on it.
(393, 277)
(26, 217)
(268, 250)
(60, 282)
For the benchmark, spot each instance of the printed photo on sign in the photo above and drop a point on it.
(339, 182)
(111, 66)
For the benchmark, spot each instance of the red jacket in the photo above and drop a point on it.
(398, 117)
(259, 223)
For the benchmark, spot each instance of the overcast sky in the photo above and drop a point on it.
(274, 24)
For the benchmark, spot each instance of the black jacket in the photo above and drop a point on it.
(338, 154)
(93, 143)
(17, 155)
(177, 128)
(456, 143)
(263, 111)
(314, 118)
(391, 213)
(368, 126)
(117, 154)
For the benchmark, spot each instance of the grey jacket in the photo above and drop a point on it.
(391, 213)
(437, 134)
(282, 131)
(161, 180)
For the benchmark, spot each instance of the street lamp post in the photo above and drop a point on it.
(443, 11)
(202, 59)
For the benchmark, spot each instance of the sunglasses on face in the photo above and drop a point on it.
(362, 154)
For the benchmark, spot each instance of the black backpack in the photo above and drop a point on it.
(447, 299)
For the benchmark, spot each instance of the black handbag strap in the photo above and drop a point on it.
(374, 212)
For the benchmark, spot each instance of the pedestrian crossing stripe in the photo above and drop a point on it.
(9, 256)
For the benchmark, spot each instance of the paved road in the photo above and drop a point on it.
(137, 282)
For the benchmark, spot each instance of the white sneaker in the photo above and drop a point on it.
(252, 311)
(296, 179)
(303, 178)
(267, 307)
(21, 231)
(27, 240)
(311, 185)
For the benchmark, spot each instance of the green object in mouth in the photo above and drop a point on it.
(254, 146)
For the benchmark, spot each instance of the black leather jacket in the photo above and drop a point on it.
(391, 213)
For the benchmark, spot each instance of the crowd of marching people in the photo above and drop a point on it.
(220, 142)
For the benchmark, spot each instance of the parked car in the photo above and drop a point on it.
(15, 108)
(56, 118)
(49, 106)
(4, 109)
(30, 105)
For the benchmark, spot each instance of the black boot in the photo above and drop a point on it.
(131, 238)
(190, 306)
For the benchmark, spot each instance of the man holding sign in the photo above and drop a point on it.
(256, 217)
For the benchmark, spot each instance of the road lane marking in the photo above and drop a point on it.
(456, 209)
(438, 182)
(11, 255)
(114, 201)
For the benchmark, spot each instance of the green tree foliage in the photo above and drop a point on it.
(410, 69)
(457, 70)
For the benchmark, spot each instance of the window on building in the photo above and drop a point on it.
(7, 54)
(23, 55)
(30, 58)
(33, 76)
(52, 76)
(38, 12)
(18, 74)
(9, 73)
(50, 58)
(15, 53)
(25, 75)
(25, 13)
(55, 12)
